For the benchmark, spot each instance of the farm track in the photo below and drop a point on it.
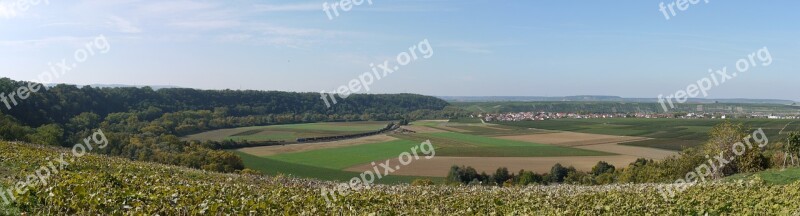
(784, 127)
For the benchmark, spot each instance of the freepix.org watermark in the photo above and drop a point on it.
(9, 9)
(99, 45)
(41, 176)
(714, 165)
(332, 10)
(681, 5)
(762, 57)
(367, 178)
(378, 72)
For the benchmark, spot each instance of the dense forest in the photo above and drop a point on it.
(145, 124)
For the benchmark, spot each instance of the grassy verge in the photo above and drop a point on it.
(772, 176)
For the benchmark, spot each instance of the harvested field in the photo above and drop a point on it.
(572, 139)
(293, 148)
(438, 166)
(639, 152)
(597, 142)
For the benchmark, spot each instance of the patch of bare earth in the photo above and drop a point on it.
(597, 142)
(303, 147)
(439, 166)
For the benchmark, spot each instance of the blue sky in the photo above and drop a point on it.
(482, 48)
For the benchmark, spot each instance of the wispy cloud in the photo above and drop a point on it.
(288, 7)
(177, 6)
(45, 41)
(207, 24)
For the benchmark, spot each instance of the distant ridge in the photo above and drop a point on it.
(601, 98)
(154, 87)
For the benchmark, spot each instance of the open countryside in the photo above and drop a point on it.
(354, 107)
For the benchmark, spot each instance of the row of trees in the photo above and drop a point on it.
(602, 173)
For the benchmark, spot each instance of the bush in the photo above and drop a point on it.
(422, 182)
(602, 167)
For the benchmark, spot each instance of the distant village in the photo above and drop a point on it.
(541, 116)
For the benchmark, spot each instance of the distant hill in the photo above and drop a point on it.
(601, 98)
(154, 87)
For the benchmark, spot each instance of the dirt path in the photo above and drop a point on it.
(784, 127)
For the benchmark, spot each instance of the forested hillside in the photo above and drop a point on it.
(144, 124)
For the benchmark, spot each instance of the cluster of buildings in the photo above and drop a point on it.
(541, 116)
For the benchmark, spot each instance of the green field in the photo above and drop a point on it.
(341, 158)
(276, 167)
(671, 134)
(466, 145)
(289, 132)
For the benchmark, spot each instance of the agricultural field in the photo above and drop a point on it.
(670, 134)
(125, 187)
(469, 143)
(290, 132)
(534, 146)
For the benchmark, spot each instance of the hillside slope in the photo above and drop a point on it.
(103, 185)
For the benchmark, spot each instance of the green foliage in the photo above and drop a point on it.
(501, 176)
(558, 172)
(422, 182)
(47, 135)
(579, 178)
(602, 167)
(10, 129)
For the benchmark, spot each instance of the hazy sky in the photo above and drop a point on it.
(515, 48)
